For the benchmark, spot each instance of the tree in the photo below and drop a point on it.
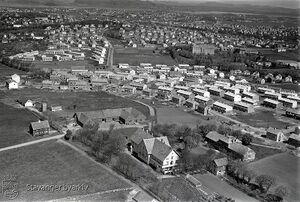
(249, 175)
(68, 135)
(281, 191)
(247, 139)
(265, 182)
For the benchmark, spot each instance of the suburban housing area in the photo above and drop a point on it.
(163, 104)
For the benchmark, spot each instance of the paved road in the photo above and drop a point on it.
(151, 110)
(32, 142)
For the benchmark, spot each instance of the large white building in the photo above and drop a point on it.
(201, 92)
(232, 97)
(221, 107)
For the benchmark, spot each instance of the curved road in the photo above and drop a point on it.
(151, 110)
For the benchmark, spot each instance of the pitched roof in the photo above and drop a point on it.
(239, 148)
(160, 150)
(221, 161)
(139, 135)
(40, 125)
(143, 197)
(214, 136)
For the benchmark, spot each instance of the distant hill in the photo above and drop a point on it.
(144, 4)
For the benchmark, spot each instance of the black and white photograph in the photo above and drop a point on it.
(150, 100)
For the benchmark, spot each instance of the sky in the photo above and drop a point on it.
(280, 3)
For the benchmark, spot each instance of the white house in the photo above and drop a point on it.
(12, 85)
(16, 78)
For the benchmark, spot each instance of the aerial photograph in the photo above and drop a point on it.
(150, 100)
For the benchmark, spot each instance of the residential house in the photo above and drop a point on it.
(275, 135)
(241, 152)
(10, 84)
(294, 140)
(39, 128)
(293, 113)
(219, 166)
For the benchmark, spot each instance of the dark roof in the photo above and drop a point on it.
(40, 125)
(139, 135)
(221, 161)
(160, 150)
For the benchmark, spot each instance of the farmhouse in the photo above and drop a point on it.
(228, 144)
(222, 84)
(275, 135)
(232, 97)
(10, 84)
(39, 128)
(121, 115)
(244, 107)
(293, 113)
(219, 166)
(271, 103)
(221, 107)
(155, 151)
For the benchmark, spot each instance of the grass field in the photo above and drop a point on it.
(135, 56)
(83, 101)
(6, 71)
(52, 163)
(216, 185)
(262, 118)
(263, 152)
(59, 65)
(173, 115)
(289, 55)
(285, 167)
(14, 124)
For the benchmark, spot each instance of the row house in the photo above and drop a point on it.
(271, 103)
(185, 94)
(203, 100)
(288, 103)
(232, 97)
(264, 90)
(244, 107)
(271, 95)
(192, 104)
(232, 90)
(250, 101)
(201, 92)
(252, 96)
(293, 113)
(216, 91)
(221, 107)
(295, 98)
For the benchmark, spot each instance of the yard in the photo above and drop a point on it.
(14, 125)
(135, 56)
(77, 101)
(52, 163)
(285, 167)
(216, 185)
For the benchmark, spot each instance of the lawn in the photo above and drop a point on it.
(6, 72)
(77, 101)
(59, 65)
(262, 119)
(285, 167)
(216, 185)
(52, 163)
(173, 115)
(134, 56)
(263, 152)
(14, 124)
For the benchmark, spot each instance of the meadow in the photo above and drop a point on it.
(285, 167)
(53, 163)
(14, 125)
(134, 56)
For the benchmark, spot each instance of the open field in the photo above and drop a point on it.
(76, 101)
(285, 167)
(262, 118)
(6, 72)
(14, 124)
(52, 163)
(135, 56)
(59, 65)
(173, 115)
(216, 185)
(289, 55)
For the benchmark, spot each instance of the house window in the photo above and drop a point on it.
(171, 163)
